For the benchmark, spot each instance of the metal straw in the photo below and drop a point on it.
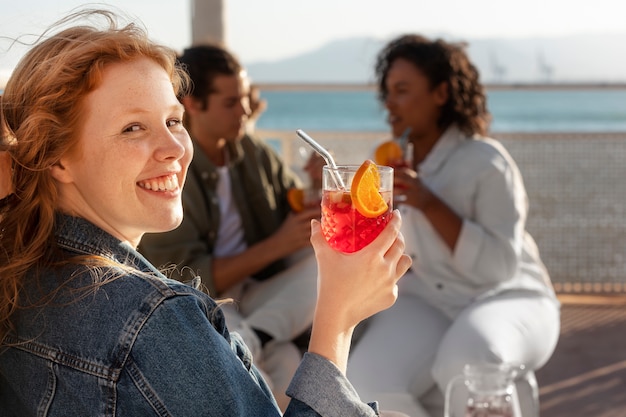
(404, 139)
(326, 155)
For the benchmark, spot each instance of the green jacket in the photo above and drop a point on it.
(260, 181)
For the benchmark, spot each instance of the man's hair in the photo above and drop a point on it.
(204, 63)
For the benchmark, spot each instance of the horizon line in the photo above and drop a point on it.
(344, 86)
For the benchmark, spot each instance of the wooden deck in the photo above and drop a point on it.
(586, 376)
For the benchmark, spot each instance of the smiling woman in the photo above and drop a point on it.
(99, 157)
(133, 126)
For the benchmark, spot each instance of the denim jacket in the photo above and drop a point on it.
(140, 345)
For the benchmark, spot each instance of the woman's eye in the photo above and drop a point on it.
(132, 128)
(173, 122)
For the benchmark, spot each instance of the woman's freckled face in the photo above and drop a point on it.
(127, 173)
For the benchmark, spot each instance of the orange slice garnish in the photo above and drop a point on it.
(295, 198)
(387, 153)
(364, 192)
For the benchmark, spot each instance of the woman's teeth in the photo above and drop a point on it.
(168, 183)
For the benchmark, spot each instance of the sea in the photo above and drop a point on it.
(513, 111)
(569, 144)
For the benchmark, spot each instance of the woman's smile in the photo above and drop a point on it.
(164, 183)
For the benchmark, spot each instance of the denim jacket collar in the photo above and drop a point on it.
(78, 235)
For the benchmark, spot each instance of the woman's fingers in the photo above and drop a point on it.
(403, 265)
(317, 238)
(396, 254)
(387, 237)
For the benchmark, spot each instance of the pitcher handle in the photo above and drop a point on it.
(449, 388)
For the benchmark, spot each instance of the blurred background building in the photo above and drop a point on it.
(208, 21)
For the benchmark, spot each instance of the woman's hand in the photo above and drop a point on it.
(353, 287)
(409, 189)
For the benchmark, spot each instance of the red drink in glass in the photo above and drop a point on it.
(346, 229)
(343, 226)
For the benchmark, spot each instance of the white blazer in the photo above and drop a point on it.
(479, 180)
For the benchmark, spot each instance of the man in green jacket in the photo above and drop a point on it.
(239, 234)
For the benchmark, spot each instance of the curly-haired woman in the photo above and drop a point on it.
(479, 292)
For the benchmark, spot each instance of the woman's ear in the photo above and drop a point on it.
(60, 173)
(441, 93)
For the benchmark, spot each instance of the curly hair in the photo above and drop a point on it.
(441, 62)
(42, 108)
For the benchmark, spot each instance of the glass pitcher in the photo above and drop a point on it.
(484, 390)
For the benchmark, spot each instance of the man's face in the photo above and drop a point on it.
(227, 109)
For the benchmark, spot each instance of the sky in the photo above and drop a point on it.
(265, 30)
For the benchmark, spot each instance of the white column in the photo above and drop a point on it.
(208, 21)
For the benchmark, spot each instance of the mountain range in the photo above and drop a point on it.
(567, 59)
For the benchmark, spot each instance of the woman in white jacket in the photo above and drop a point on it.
(478, 292)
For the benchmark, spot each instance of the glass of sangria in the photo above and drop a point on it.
(397, 154)
(356, 204)
(304, 198)
(394, 154)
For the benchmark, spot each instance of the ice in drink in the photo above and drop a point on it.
(346, 229)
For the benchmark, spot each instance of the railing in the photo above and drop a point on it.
(576, 185)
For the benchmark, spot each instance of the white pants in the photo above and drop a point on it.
(281, 306)
(413, 346)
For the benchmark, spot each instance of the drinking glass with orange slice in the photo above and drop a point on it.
(392, 154)
(397, 153)
(356, 209)
(303, 198)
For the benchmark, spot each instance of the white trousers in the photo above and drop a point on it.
(281, 306)
(412, 347)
